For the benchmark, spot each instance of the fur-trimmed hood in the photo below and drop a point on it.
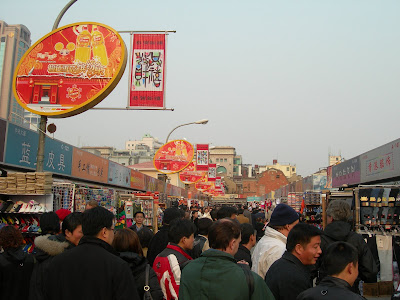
(48, 246)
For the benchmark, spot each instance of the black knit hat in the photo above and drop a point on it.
(283, 214)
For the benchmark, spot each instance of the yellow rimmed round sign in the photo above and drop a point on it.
(70, 70)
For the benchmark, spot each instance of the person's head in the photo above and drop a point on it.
(62, 213)
(226, 212)
(213, 214)
(304, 242)
(171, 214)
(244, 206)
(338, 210)
(126, 240)
(283, 219)
(91, 204)
(195, 214)
(72, 227)
(181, 233)
(248, 235)
(206, 209)
(224, 235)
(10, 238)
(203, 226)
(341, 260)
(98, 222)
(49, 223)
(240, 211)
(139, 217)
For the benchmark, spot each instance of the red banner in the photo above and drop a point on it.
(212, 172)
(203, 184)
(147, 76)
(189, 175)
(70, 70)
(173, 157)
(202, 155)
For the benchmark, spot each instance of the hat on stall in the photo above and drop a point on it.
(283, 214)
(62, 213)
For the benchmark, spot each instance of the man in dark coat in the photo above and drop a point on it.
(341, 265)
(160, 239)
(289, 275)
(144, 233)
(94, 264)
(339, 229)
(248, 241)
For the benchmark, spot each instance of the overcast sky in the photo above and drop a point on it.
(277, 79)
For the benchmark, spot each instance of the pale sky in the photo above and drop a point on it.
(277, 79)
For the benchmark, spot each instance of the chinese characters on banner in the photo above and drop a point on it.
(189, 175)
(147, 76)
(173, 157)
(212, 172)
(202, 157)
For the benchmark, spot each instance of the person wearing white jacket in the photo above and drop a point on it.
(273, 244)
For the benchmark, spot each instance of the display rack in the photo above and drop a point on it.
(64, 195)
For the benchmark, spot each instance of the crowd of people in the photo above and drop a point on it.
(210, 253)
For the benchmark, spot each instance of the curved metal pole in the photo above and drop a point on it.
(43, 119)
(166, 141)
(61, 14)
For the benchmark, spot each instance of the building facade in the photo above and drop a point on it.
(148, 142)
(15, 40)
(288, 169)
(227, 161)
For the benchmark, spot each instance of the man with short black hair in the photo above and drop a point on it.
(71, 230)
(216, 275)
(226, 212)
(289, 275)
(246, 244)
(93, 263)
(170, 262)
(144, 233)
(200, 243)
(340, 263)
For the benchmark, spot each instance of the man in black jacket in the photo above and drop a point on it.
(93, 264)
(160, 239)
(341, 265)
(144, 233)
(339, 229)
(289, 275)
(248, 241)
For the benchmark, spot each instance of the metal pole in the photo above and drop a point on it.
(43, 119)
(166, 141)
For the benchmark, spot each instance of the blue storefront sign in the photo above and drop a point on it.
(251, 199)
(22, 147)
(3, 128)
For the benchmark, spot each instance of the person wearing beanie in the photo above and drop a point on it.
(273, 244)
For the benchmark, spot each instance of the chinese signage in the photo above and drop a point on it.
(189, 175)
(22, 146)
(347, 172)
(70, 70)
(212, 172)
(118, 174)
(3, 128)
(89, 166)
(147, 77)
(202, 157)
(381, 163)
(173, 157)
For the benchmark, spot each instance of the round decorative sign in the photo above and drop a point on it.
(189, 175)
(173, 156)
(70, 70)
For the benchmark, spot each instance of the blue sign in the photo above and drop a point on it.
(3, 128)
(22, 147)
(119, 175)
(250, 199)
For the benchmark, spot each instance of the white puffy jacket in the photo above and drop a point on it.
(268, 249)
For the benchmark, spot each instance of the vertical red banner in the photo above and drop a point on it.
(147, 76)
(202, 157)
(212, 172)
